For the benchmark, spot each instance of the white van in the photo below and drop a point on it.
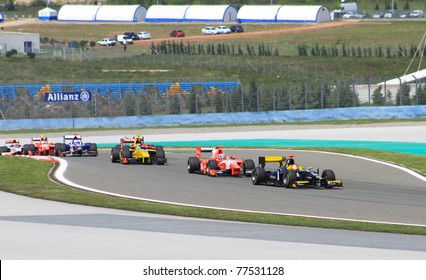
(416, 14)
(123, 38)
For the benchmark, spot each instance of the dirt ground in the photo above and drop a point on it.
(279, 29)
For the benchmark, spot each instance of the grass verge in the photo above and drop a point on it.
(33, 181)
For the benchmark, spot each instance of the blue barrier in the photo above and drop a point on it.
(355, 113)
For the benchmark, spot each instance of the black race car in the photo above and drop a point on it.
(291, 175)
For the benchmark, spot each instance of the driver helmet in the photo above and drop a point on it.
(139, 139)
(295, 167)
(222, 156)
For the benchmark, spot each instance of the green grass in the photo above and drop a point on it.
(33, 182)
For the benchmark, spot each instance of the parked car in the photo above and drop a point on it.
(378, 15)
(417, 14)
(349, 15)
(361, 15)
(107, 42)
(177, 33)
(124, 38)
(236, 28)
(209, 31)
(132, 35)
(223, 29)
(391, 14)
(144, 35)
(404, 15)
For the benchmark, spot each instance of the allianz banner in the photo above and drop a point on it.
(73, 96)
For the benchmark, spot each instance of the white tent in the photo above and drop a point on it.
(349, 7)
(211, 13)
(300, 14)
(47, 14)
(78, 12)
(409, 78)
(133, 13)
(166, 13)
(253, 13)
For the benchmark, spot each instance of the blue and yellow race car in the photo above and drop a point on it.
(291, 175)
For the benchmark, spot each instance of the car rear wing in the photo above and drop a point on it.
(70, 138)
(264, 160)
(200, 150)
(37, 139)
(127, 140)
(11, 141)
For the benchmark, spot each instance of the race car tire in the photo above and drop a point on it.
(32, 149)
(5, 149)
(57, 150)
(193, 164)
(211, 165)
(25, 149)
(290, 178)
(258, 175)
(159, 148)
(93, 147)
(248, 165)
(328, 175)
(160, 155)
(125, 153)
(115, 154)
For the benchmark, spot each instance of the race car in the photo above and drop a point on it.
(135, 150)
(73, 145)
(218, 163)
(40, 146)
(291, 175)
(13, 147)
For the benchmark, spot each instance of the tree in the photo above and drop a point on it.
(252, 97)
(403, 95)
(377, 96)
(421, 92)
(218, 102)
(193, 102)
(174, 104)
(146, 104)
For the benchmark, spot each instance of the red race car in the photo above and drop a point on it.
(219, 163)
(40, 146)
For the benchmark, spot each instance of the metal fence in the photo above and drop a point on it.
(196, 99)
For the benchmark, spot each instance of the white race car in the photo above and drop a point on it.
(13, 147)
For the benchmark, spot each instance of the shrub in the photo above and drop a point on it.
(11, 53)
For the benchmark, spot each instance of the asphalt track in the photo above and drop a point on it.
(37, 229)
(372, 191)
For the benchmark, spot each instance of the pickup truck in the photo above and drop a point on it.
(107, 42)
